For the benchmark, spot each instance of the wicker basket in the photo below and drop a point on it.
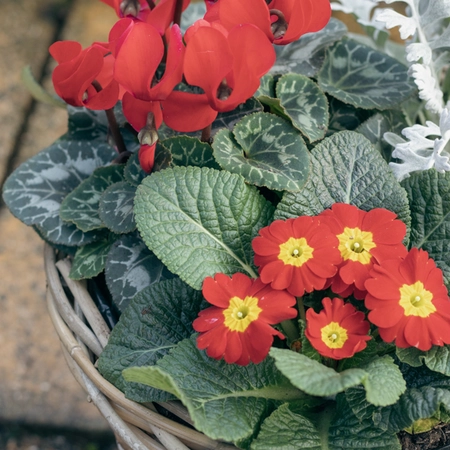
(135, 426)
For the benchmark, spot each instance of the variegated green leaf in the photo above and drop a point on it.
(266, 150)
(189, 151)
(81, 205)
(131, 267)
(36, 189)
(366, 78)
(116, 207)
(305, 104)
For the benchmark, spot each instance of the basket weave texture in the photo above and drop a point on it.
(84, 334)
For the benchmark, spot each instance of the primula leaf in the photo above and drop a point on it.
(157, 318)
(348, 431)
(36, 189)
(437, 359)
(90, 259)
(82, 204)
(305, 104)
(313, 377)
(346, 168)
(131, 267)
(200, 221)
(266, 150)
(384, 383)
(189, 151)
(286, 430)
(225, 401)
(116, 207)
(429, 196)
(366, 78)
(306, 55)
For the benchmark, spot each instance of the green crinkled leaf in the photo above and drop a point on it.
(199, 221)
(116, 207)
(429, 197)
(375, 127)
(346, 168)
(35, 190)
(90, 259)
(189, 151)
(313, 377)
(305, 104)
(157, 319)
(131, 267)
(364, 77)
(306, 55)
(436, 359)
(266, 150)
(81, 206)
(347, 431)
(225, 401)
(286, 430)
(384, 383)
(411, 356)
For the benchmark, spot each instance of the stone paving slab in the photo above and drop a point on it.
(36, 386)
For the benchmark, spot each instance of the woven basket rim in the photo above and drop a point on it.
(133, 420)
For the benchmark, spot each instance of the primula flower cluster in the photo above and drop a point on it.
(345, 249)
(222, 58)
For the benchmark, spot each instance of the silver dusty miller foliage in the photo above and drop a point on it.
(426, 29)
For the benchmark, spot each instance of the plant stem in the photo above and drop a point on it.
(206, 133)
(301, 309)
(290, 330)
(177, 12)
(115, 132)
(151, 4)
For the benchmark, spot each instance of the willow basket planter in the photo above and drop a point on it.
(83, 334)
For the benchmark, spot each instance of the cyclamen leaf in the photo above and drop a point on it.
(346, 168)
(266, 150)
(366, 78)
(286, 430)
(306, 55)
(429, 197)
(345, 117)
(116, 207)
(266, 87)
(225, 401)
(189, 151)
(35, 190)
(82, 204)
(305, 104)
(131, 267)
(90, 260)
(86, 124)
(199, 221)
(156, 320)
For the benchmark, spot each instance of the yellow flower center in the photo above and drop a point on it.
(416, 300)
(355, 244)
(295, 252)
(333, 335)
(241, 313)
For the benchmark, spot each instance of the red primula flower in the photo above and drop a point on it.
(228, 67)
(409, 301)
(365, 238)
(297, 254)
(338, 331)
(237, 328)
(282, 21)
(77, 70)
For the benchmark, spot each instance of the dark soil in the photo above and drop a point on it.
(15, 436)
(437, 438)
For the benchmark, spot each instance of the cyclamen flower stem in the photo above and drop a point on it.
(206, 133)
(151, 4)
(115, 132)
(178, 11)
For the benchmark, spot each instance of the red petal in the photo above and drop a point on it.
(136, 111)
(233, 349)
(63, 51)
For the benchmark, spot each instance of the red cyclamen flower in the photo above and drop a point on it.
(297, 254)
(365, 238)
(409, 301)
(283, 21)
(76, 72)
(338, 331)
(237, 328)
(227, 66)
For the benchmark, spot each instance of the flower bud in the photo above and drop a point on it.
(148, 135)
